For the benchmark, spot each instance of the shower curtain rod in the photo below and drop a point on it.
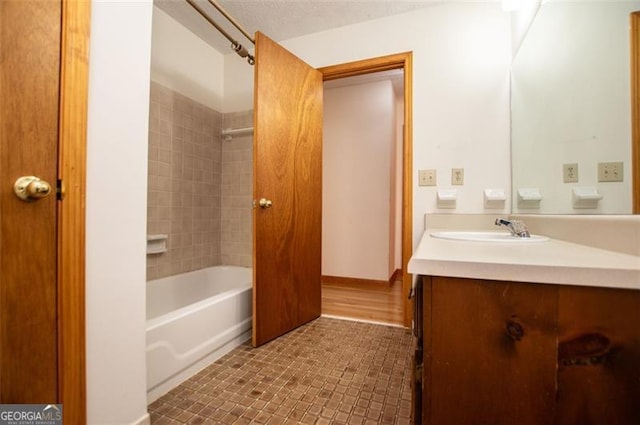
(235, 45)
(230, 18)
(228, 133)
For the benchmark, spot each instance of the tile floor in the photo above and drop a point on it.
(329, 371)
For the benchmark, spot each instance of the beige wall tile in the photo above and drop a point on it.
(200, 188)
(177, 124)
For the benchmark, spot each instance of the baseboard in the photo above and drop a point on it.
(144, 420)
(354, 319)
(340, 280)
(397, 274)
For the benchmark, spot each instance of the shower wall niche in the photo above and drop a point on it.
(199, 186)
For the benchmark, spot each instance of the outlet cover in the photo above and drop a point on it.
(457, 176)
(610, 171)
(570, 173)
(426, 177)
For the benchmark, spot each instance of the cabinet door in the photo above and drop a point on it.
(492, 355)
(598, 356)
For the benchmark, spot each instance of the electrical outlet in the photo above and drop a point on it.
(427, 177)
(457, 176)
(610, 171)
(570, 173)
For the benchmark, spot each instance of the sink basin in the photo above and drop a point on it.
(502, 237)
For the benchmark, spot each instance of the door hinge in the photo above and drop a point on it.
(60, 190)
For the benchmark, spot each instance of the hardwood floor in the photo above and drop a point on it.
(377, 302)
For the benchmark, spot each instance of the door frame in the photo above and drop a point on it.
(72, 148)
(635, 110)
(402, 61)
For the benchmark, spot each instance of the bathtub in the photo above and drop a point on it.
(192, 320)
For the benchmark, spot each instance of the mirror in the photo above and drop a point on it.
(570, 105)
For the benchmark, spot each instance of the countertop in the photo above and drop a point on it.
(554, 262)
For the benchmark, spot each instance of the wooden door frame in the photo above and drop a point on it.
(635, 110)
(72, 141)
(402, 61)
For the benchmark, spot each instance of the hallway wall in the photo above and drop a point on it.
(358, 142)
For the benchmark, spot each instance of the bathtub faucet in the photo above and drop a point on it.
(516, 227)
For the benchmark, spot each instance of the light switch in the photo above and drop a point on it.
(457, 176)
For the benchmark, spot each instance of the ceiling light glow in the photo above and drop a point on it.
(511, 5)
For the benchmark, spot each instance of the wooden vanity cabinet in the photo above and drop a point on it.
(497, 352)
(602, 387)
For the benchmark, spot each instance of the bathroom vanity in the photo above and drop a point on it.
(525, 333)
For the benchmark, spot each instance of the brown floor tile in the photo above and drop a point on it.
(327, 372)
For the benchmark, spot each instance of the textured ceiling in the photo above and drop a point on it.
(283, 19)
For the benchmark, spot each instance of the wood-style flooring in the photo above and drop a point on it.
(374, 302)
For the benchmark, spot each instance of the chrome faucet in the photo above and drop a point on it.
(516, 227)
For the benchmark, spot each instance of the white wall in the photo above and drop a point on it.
(521, 21)
(359, 135)
(183, 62)
(461, 56)
(116, 212)
(571, 103)
(398, 181)
(238, 84)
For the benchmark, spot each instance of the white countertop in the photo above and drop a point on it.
(554, 262)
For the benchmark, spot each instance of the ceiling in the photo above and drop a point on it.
(283, 19)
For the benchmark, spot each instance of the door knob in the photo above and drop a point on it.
(265, 203)
(31, 188)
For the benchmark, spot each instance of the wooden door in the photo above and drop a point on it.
(491, 358)
(29, 84)
(44, 50)
(598, 356)
(288, 177)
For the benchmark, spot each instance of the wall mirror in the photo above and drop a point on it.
(571, 110)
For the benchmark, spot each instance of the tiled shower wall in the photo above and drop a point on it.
(203, 205)
(237, 172)
(184, 183)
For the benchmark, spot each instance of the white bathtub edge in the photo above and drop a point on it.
(174, 381)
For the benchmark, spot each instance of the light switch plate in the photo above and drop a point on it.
(426, 177)
(457, 176)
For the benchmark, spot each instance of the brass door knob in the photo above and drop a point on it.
(31, 188)
(265, 203)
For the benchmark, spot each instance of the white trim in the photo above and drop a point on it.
(373, 322)
(144, 420)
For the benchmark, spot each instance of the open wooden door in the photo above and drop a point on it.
(287, 185)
